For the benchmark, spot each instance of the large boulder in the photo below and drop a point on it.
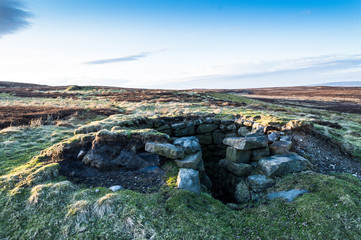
(188, 179)
(189, 144)
(238, 169)
(259, 183)
(246, 143)
(280, 147)
(164, 149)
(280, 165)
(191, 161)
(238, 156)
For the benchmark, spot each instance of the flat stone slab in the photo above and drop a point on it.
(189, 144)
(259, 183)
(283, 164)
(290, 196)
(165, 149)
(238, 169)
(191, 161)
(188, 179)
(246, 143)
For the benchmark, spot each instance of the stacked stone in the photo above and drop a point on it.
(187, 153)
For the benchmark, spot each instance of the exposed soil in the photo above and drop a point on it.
(138, 181)
(23, 115)
(325, 156)
(325, 105)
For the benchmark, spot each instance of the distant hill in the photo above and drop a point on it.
(340, 84)
(4, 84)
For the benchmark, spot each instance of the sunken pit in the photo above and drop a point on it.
(234, 160)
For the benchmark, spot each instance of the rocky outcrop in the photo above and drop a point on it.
(280, 165)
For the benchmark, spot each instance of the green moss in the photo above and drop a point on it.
(18, 147)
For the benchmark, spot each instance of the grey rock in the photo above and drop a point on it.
(238, 169)
(188, 179)
(280, 165)
(260, 153)
(163, 128)
(252, 134)
(184, 132)
(206, 128)
(189, 144)
(238, 156)
(257, 128)
(199, 121)
(290, 196)
(286, 138)
(243, 131)
(232, 127)
(229, 135)
(246, 143)
(280, 147)
(165, 149)
(259, 183)
(273, 136)
(242, 194)
(209, 120)
(178, 126)
(115, 188)
(191, 161)
(205, 139)
(81, 154)
(218, 137)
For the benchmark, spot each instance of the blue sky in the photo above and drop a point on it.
(180, 44)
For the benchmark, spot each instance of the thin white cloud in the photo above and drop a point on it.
(134, 57)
